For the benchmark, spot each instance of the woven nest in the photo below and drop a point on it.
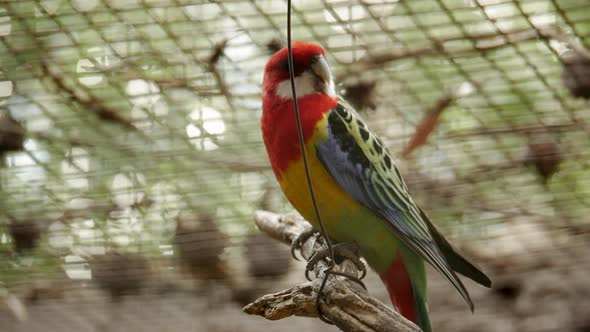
(266, 257)
(576, 75)
(25, 234)
(120, 273)
(200, 244)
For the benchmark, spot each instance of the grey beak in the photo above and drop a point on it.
(320, 68)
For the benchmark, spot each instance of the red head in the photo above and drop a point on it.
(312, 74)
(315, 95)
(303, 52)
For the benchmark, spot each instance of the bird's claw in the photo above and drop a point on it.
(341, 251)
(344, 250)
(300, 240)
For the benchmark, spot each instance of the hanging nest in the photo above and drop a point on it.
(266, 260)
(43, 290)
(507, 288)
(120, 273)
(12, 134)
(25, 235)
(544, 155)
(275, 45)
(200, 244)
(266, 257)
(576, 75)
(361, 95)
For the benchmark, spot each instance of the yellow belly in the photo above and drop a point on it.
(336, 207)
(345, 219)
(334, 203)
(332, 200)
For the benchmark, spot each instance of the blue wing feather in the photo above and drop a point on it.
(359, 163)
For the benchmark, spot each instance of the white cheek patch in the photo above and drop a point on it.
(329, 89)
(305, 84)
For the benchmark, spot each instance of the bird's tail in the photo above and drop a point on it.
(408, 293)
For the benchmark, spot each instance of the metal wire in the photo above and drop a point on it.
(306, 163)
(301, 138)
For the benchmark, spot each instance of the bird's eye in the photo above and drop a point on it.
(297, 67)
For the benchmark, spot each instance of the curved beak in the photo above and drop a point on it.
(320, 68)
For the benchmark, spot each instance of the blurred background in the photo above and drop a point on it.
(131, 160)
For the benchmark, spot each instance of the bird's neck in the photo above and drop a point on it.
(279, 126)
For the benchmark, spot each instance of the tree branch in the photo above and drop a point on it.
(513, 130)
(88, 102)
(480, 43)
(343, 302)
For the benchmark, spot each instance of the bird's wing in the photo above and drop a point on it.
(359, 163)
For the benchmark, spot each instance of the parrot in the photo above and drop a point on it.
(360, 194)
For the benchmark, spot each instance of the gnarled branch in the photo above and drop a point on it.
(479, 43)
(344, 302)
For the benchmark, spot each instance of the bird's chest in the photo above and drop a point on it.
(336, 207)
(344, 219)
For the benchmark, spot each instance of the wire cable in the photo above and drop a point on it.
(306, 163)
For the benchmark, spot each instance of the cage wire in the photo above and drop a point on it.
(133, 161)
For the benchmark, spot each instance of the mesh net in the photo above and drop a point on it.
(126, 125)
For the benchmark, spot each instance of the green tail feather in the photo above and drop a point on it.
(417, 273)
(422, 318)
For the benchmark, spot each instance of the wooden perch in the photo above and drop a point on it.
(344, 302)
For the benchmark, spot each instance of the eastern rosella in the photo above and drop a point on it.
(361, 195)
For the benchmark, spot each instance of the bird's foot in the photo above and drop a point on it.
(300, 240)
(334, 255)
(343, 250)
